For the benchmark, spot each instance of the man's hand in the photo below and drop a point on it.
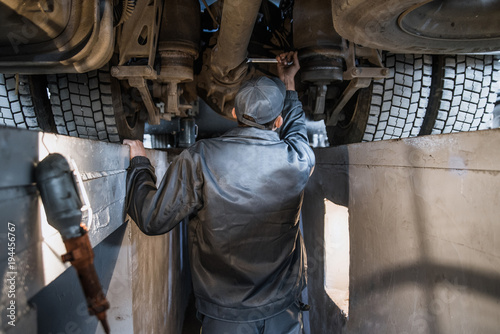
(288, 66)
(136, 148)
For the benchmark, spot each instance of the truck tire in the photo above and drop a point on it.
(390, 108)
(463, 95)
(399, 102)
(409, 26)
(17, 109)
(89, 105)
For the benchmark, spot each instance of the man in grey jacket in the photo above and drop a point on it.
(243, 194)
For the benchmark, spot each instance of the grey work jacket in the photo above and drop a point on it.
(243, 193)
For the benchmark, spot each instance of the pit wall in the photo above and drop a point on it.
(424, 231)
(422, 216)
(145, 279)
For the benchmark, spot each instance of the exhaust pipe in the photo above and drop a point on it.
(225, 65)
(238, 20)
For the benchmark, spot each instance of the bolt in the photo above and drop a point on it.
(214, 100)
(385, 71)
(115, 71)
(355, 71)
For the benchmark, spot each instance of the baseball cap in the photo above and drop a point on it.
(260, 99)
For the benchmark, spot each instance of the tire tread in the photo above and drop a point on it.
(398, 102)
(83, 105)
(469, 85)
(16, 108)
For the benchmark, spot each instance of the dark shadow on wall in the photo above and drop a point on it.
(457, 278)
(330, 180)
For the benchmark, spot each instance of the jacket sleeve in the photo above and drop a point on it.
(294, 131)
(158, 210)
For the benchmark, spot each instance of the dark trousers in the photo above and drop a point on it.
(286, 322)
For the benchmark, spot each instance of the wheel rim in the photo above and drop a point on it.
(444, 20)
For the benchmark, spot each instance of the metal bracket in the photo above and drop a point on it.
(354, 85)
(360, 77)
(127, 72)
(372, 55)
(139, 39)
(139, 34)
(153, 110)
(137, 76)
(172, 97)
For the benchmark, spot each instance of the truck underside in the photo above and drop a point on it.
(370, 69)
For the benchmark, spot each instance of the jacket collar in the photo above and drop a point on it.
(251, 132)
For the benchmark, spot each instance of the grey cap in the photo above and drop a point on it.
(260, 99)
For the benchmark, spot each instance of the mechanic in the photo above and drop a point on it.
(243, 194)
